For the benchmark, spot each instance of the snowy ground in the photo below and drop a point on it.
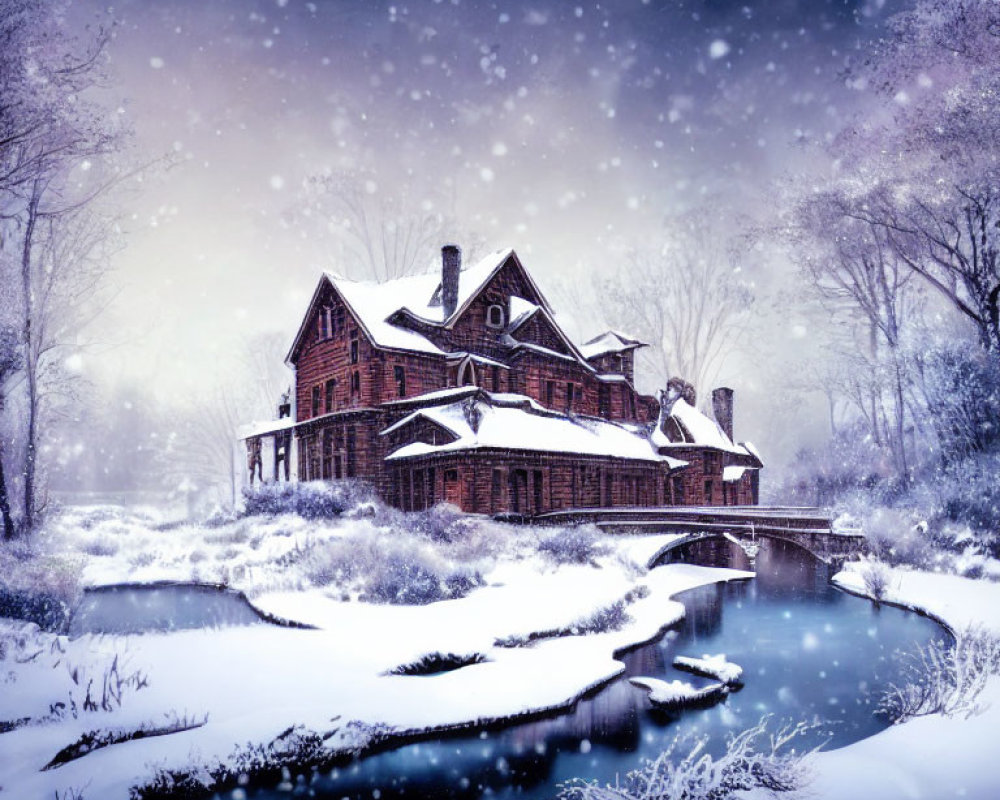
(930, 757)
(248, 684)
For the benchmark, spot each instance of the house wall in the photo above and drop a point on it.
(498, 481)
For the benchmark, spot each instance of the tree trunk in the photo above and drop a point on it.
(30, 363)
(8, 522)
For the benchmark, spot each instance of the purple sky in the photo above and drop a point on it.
(563, 129)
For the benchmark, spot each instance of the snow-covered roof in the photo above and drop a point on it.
(733, 473)
(520, 311)
(453, 393)
(702, 430)
(264, 427)
(609, 342)
(374, 302)
(505, 422)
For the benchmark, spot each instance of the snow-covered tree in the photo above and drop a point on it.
(685, 295)
(56, 150)
(10, 364)
(382, 229)
(927, 172)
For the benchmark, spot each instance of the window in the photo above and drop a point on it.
(630, 401)
(496, 489)
(316, 410)
(708, 492)
(331, 387)
(496, 379)
(494, 316)
(604, 401)
(399, 375)
(550, 393)
(569, 395)
(354, 347)
(352, 451)
(467, 374)
(678, 490)
(709, 463)
(355, 383)
(324, 323)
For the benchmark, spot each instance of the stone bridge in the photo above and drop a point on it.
(809, 528)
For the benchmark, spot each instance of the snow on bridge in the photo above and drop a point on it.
(810, 528)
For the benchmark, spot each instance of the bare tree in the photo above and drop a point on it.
(685, 296)
(48, 133)
(860, 277)
(383, 233)
(10, 364)
(930, 178)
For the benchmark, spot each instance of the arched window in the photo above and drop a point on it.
(495, 316)
(467, 373)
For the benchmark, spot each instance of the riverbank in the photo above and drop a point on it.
(199, 697)
(930, 757)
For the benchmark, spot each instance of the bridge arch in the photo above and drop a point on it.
(735, 538)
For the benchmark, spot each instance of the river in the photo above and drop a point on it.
(809, 653)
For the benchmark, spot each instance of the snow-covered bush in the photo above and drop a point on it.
(312, 500)
(610, 618)
(37, 587)
(388, 568)
(970, 495)
(962, 389)
(876, 577)
(442, 523)
(575, 545)
(402, 581)
(757, 758)
(435, 663)
(99, 546)
(942, 678)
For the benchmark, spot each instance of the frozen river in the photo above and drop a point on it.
(809, 652)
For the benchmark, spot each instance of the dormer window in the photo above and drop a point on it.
(495, 316)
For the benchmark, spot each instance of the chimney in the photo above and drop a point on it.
(451, 266)
(722, 407)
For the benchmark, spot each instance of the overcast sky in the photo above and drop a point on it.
(559, 128)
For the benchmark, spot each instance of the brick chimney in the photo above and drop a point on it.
(451, 266)
(722, 407)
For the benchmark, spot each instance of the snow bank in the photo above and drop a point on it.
(253, 683)
(674, 694)
(712, 667)
(930, 757)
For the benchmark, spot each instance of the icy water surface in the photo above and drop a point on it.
(138, 608)
(809, 652)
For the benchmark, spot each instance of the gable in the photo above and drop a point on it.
(542, 331)
(509, 279)
(419, 428)
(326, 317)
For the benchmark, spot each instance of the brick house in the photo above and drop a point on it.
(461, 387)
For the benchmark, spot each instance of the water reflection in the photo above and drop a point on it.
(808, 651)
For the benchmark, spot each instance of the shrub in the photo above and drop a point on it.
(313, 500)
(610, 618)
(37, 588)
(391, 569)
(576, 545)
(442, 523)
(436, 663)
(401, 581)
(754, 759)
(876, 576)
(943, 679)
(99, 546)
